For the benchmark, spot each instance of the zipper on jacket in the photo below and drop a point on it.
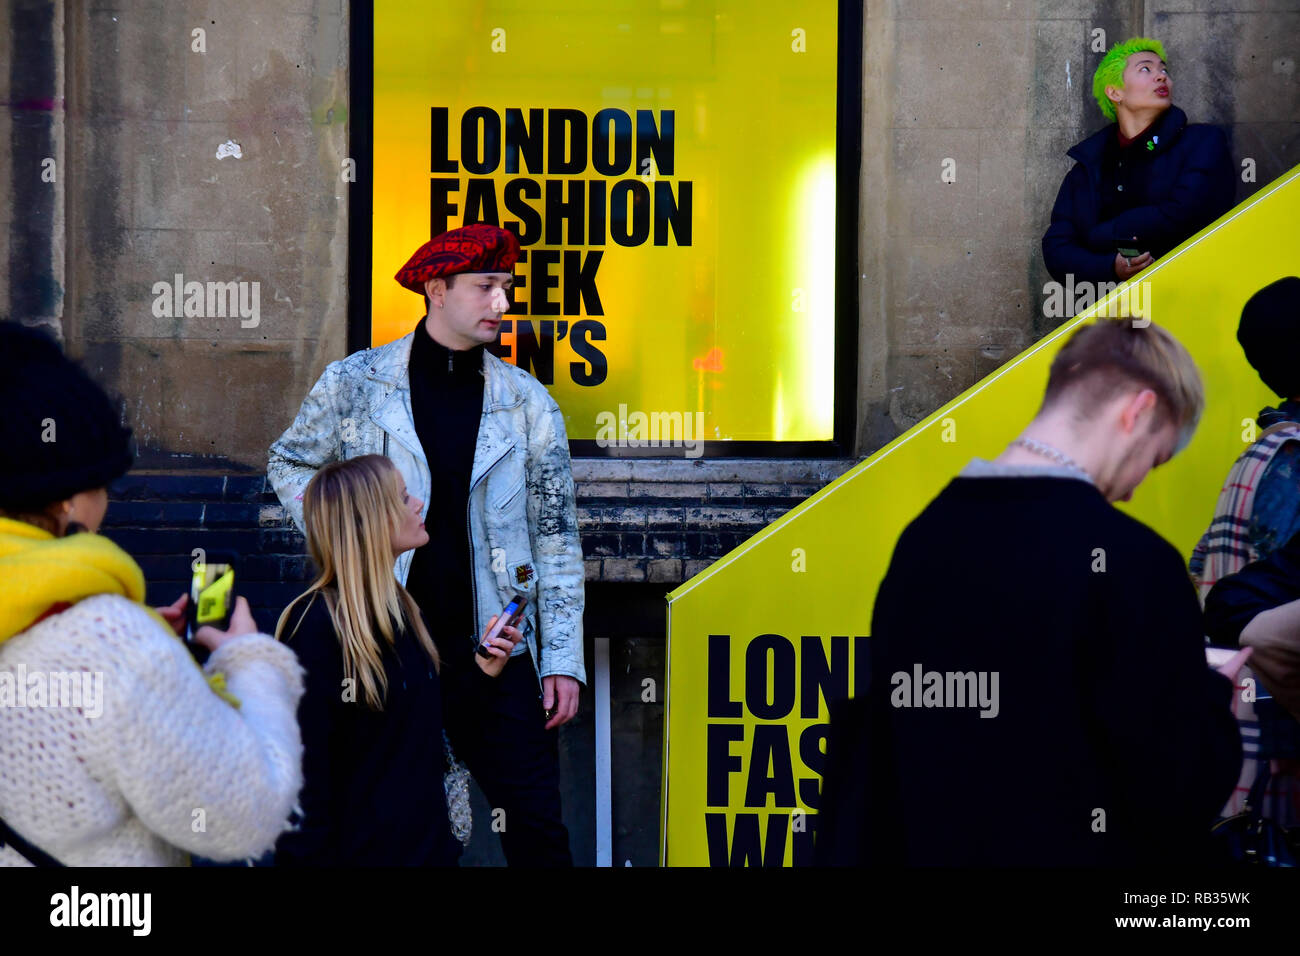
(469, 536)
(473, 586)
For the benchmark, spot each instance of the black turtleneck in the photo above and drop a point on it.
(446, 402)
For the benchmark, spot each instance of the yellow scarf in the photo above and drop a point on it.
(39, 571)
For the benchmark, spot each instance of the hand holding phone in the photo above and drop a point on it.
(212, 598)
(175, 615)
(241, 623)
(212, 591)
(501, 637)
(1126, 266)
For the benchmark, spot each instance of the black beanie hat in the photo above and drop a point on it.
(1269, 334)
(59, 432)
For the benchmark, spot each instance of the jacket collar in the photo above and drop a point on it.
(390, 364)
(1162, 135)
(1288, 411)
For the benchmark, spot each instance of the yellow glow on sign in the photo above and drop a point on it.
(816, 239)
(681, 186)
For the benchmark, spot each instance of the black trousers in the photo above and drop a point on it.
(496, 726)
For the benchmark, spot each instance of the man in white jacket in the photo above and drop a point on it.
(484, 444)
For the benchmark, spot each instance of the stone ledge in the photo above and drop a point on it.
(748, 471)
(656, 521)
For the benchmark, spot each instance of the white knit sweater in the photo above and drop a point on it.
(167, 766)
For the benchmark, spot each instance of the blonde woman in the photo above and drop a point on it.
(371, 714)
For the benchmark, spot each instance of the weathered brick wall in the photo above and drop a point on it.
(662, 522)
(159, 519)
(656, 522)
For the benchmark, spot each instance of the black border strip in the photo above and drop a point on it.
(848, 165)
(848, 175)
(361, 143)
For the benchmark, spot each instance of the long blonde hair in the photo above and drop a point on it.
(351, 509)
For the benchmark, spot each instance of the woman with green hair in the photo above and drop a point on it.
(1141, 185)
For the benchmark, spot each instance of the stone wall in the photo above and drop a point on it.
(132, 106)
(952, 272)
(154, 90)
(32, 164)
(644, 522)
(661, 522)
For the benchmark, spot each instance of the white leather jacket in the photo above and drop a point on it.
(522, 516)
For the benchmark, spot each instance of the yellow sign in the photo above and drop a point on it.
(759, 640)
(670, 173)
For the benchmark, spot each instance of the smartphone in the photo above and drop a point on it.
(212, 591)
(1128, 253)
(511, 614)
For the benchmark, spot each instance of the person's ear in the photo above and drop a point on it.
(1114, 94)
(1137, 407)
(436, 290)
(60, 515)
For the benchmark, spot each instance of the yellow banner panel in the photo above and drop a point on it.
(761, 638)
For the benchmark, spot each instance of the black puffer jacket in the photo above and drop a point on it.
(1260, 586)
(1176, 179)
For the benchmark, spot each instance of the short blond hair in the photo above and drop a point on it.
(1108, 355)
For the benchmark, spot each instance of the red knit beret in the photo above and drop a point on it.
(476, 248)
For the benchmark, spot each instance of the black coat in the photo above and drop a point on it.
(1260, 586)
(1112, 741)
(1176, 180)
(1232, 603)
(372, 790)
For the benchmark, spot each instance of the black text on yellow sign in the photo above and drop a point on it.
(785, 680)
(634, 203)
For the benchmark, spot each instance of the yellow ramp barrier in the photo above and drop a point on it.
(757, 640)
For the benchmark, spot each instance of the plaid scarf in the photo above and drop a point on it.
(1225, 547)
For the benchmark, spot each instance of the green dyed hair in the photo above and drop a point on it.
(1110, 71)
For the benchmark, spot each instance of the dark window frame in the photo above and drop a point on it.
(848, 164)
